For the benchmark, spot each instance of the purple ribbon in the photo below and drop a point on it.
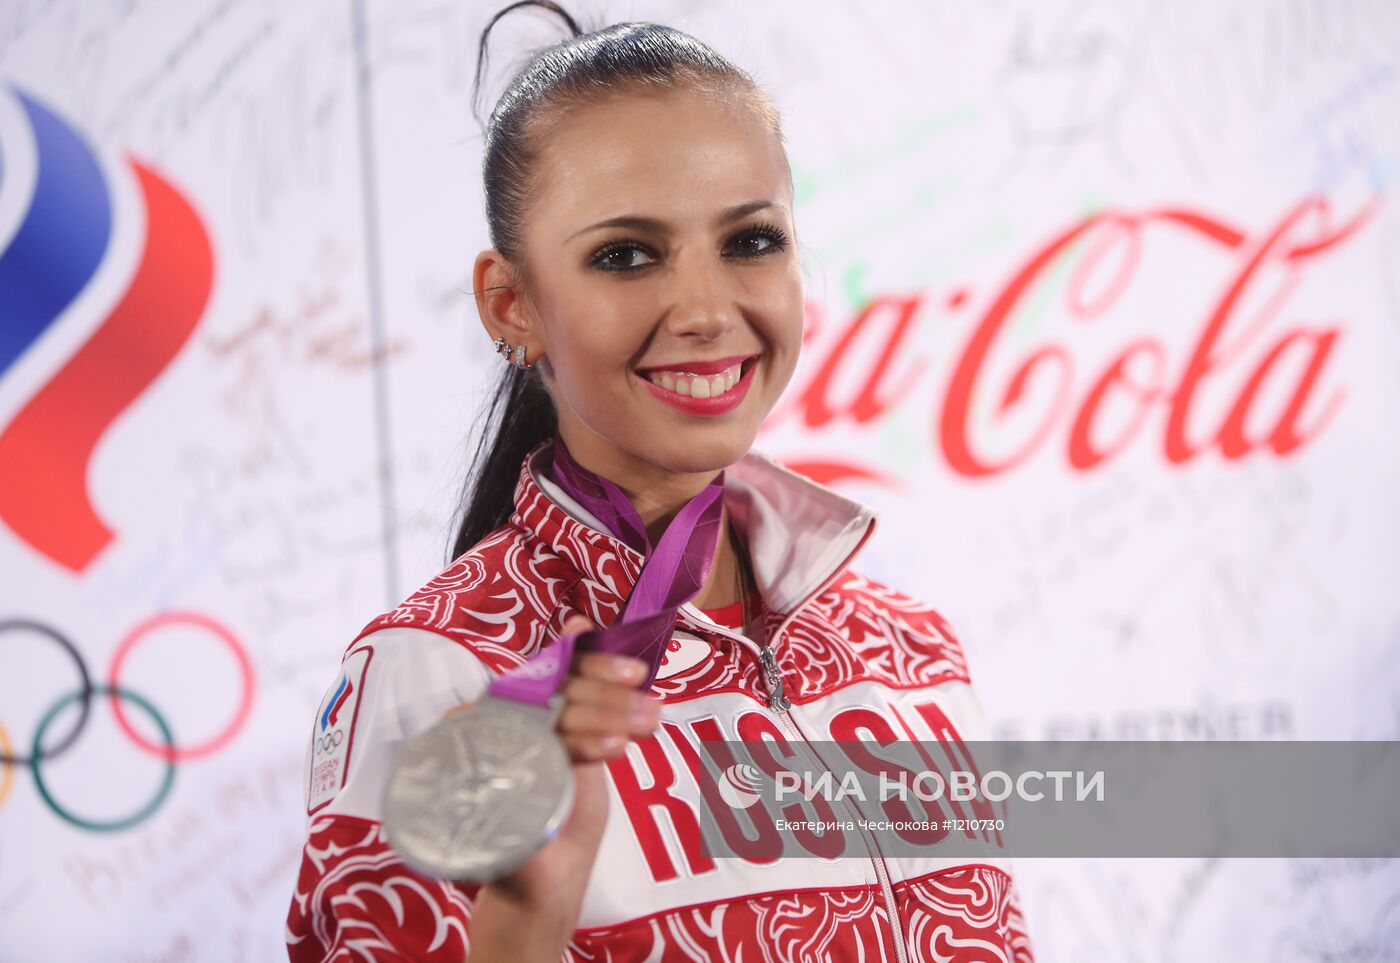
(671, 575)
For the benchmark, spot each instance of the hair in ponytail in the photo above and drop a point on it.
(584, 69)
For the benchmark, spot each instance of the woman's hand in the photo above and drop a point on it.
(603, 709)
(531, 913)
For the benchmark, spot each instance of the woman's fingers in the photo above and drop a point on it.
(604, 705)
(598, 729)
(635, 715)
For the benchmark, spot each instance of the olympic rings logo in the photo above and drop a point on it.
(165, 749)
(329, 741)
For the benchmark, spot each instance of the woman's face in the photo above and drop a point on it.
(665, 292)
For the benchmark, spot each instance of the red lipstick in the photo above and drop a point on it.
(705, 407)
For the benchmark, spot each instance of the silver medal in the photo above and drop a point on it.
(475, 796)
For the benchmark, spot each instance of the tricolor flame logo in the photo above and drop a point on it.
(62, 238)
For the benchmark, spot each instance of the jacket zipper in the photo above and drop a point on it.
(773, 680)
(780, 704)
(876, 857)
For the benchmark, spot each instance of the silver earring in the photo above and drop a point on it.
(506, 350)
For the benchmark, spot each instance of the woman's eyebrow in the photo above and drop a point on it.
(639, 222)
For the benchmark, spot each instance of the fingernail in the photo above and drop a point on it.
(628, 670)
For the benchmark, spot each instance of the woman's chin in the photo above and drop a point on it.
(712, 449)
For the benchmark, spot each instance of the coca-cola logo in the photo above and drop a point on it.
(1279, 391)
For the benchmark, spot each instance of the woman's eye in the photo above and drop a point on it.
(761, 241)
(752, 245)
(618, 257)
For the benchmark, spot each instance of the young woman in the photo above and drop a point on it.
(645, 290)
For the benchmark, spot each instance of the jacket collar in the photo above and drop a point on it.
(799, 533)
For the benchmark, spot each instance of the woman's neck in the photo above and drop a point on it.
(658, 495)
(721, 586)
(658, 505)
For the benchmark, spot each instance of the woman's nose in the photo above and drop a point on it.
(704, 306)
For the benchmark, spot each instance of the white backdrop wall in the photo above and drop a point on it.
(236, 399)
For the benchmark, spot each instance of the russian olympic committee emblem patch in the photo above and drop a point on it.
(334, 732)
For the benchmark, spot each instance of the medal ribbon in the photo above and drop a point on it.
(671, 575)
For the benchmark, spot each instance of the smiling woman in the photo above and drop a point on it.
(631, 584)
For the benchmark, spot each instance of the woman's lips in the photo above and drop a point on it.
(707, 406)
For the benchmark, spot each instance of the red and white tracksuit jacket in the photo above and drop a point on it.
(857, 660)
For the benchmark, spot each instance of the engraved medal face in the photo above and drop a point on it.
(475, 796)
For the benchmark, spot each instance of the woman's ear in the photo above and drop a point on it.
(501, 305)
